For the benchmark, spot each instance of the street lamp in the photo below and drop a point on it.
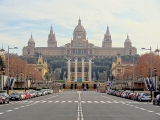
(17, 79)
(9, 70)
(141, 79)
(137, 80)
(155, 74)
(3, 72)
(150, 60)
(21, 80)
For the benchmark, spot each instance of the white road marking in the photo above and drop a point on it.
(56, 101)
(157, 113)
(16, 108)
(108, 101)
(69, 101)
(102, 101)
(9, 110)
(89, 102)
(1, 113)
(63, 101)
(95, 101)
(142, 109)
(22, 106)
(150, 111)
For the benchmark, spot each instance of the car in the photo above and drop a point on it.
(23, 95)
(32, 93)
(102, 91)
(84, 89)
(5, 97)
(144, 97)
(44, 92)
(16, 96)
(157, 100)
(27, 95)
(38, 93)
(136, 96)
(1, 100)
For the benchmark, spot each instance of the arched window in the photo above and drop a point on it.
(130, 52)
(28, 51)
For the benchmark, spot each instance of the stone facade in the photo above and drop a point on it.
(79, 46)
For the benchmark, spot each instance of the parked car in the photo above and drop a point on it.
(157, 100)
(38, 93)
(44, 92)
(22, 95)
(16, 96)
(5, 97)
(144, 97)
(136, 96)
(32, 93)
(84, 89)
(1, 100)
(27, 95)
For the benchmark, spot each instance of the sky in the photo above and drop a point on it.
(140, 19)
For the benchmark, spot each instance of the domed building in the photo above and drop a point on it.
(80, 51)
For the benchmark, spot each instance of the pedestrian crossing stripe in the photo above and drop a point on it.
(44, 101)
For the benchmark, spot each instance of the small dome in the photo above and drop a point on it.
(31, 39)
(128, 40)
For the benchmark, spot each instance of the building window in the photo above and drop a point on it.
(130, 52)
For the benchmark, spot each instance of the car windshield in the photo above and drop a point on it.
(146, 94)
(2, 94)
(15, 93)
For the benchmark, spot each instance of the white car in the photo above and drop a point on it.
(144, 97)
(22, 95)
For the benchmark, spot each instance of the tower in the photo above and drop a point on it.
(107, 42)
(31, 42)
(52, 39)
(127, 42)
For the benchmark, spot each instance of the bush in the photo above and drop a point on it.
(2, 91)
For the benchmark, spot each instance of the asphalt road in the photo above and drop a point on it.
(79, 105)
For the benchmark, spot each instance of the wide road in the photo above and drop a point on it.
(79, 105)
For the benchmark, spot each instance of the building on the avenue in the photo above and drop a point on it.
(79, 52)
(41, 65)
(118, 66)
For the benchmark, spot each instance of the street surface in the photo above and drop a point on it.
(79, 105)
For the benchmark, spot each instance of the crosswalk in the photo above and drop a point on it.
(82, 92)
(69, 101)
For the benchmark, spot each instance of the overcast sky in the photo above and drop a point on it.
(139, 18)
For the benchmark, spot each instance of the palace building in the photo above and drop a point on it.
(79, 52)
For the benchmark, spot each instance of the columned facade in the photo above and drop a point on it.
(90, 70)
(76, 69)
(69, 69)
(82, 68)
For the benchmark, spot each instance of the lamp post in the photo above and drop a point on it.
(141, 79)
(17, 79)
(155, 74)
(3, 72)
(21, 80)
(137, 80)
(133, 74)
(150, 60)
(9, 69)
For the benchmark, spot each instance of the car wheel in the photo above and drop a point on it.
(8, 101)
(4, 101)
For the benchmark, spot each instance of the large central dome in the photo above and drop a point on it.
(79, 31)
(79, 27)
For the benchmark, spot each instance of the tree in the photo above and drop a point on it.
(47, 76)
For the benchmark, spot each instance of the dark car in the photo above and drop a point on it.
(5, 97)
(157, 100)
(84, 89)
(16, 96)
